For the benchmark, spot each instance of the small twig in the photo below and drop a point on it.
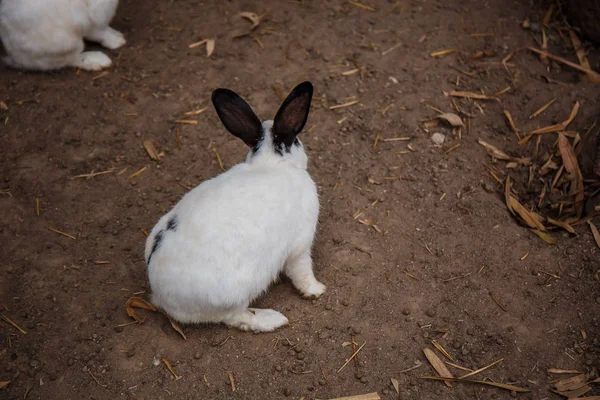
(351, 357)
(481, 369)
(61, 233)
(13, 324)
(497, 302)
(96, 379)
(350, 103)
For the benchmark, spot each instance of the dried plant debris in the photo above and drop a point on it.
(546, 191)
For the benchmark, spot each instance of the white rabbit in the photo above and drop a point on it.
(229, 238)
(48, 34)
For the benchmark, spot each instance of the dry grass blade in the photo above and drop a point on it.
(572, 383)
(360, 5)
(571, 394)
(13, 324)
(4, 384)
(561, 224)
(442, 350)
(352, 357)
(136, 173)
(151, 150)
(542, 108)
(499, 154)
(511, 122)
(481, 369)
(348, 104)
(498, 385)
(593, 75)
(530, 218)
(171, 370)
(438, 365)
(572, 166)
(138, 302)
(231, 381)
(595, 233)
(61, 233)
(176, 326)
(196, 44)
(195, 112)
(186, 121)
(368, 396)
(210, 47)
(553, 128)
(469, 95)
(562, 371)
(544, 236)
(396, 385)
(93, 174)
(442, 52)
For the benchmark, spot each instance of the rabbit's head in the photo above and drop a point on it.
(273, 140)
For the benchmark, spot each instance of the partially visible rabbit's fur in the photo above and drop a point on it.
(228, 239)
(48, 34)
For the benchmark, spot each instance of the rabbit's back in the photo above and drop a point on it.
(232, 236)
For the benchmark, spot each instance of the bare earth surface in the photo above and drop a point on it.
(448, 256)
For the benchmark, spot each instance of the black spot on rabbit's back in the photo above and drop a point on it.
(172, 223)
(156, 244)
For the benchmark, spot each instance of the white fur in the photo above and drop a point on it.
(235, 234)
(48, 34)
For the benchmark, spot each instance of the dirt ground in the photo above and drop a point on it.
(447, 260)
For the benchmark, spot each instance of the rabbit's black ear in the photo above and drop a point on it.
(292, 115)
(237, 117)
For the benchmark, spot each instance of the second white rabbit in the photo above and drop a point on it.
(48, 34)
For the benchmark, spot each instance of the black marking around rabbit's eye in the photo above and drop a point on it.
(156, 244)
(172, 224)
(297, 143)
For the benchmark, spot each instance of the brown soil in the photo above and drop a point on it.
(449, 255)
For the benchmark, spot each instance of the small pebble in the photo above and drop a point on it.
(278, 368)
(324, 335)
(130, 353)
(328, 306)
(330, 326)
(345, 303)
(197, 355)
(287, 392)
(513, 393)
(356, 330)
(71, 362)
(298, 349)
(406, 311)
(499, 340)
(321, 382)
(119, 329)
(300, 356)
(470, 331)
(364, 379)
(438, 139)
(385, 392)
(430, 313)
(358, 375)
(34, 363)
